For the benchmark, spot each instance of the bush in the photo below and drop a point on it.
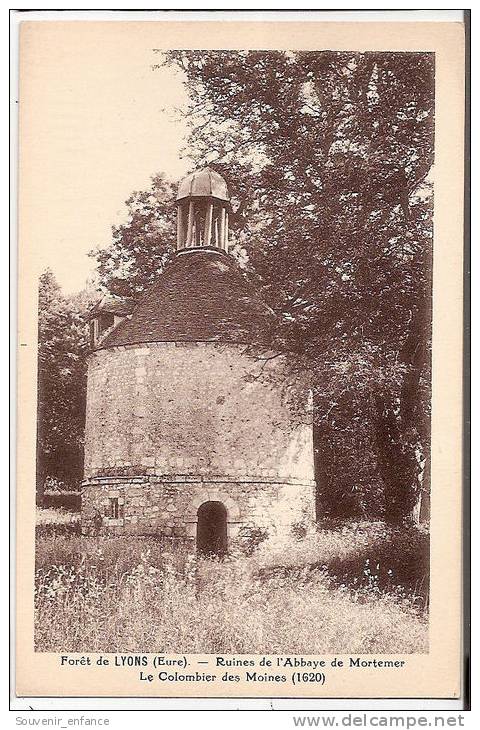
(58, 499)
(395, 561)
(251, 538)
(363, 555)
(299, 531)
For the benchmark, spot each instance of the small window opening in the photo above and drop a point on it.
(114, 510)
(105, 321)
(92, 334)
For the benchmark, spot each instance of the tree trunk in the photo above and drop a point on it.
(399, 428)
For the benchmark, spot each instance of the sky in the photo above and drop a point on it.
(96, 122)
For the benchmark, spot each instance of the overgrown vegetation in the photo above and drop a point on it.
(318, 594)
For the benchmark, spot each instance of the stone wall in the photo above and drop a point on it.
(171, 426)
(149, 505)
(194, 409)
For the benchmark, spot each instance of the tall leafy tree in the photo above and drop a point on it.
(328, 157)
(62, 349)
(141, 245)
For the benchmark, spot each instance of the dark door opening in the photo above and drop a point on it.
(212, 529)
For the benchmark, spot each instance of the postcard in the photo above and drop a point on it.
(240, 334)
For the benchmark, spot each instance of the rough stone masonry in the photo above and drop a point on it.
(193, 428)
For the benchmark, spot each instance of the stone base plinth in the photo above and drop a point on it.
(167, 507)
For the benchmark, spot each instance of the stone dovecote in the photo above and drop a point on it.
(191, 433)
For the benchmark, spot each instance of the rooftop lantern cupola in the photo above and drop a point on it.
(203, 204)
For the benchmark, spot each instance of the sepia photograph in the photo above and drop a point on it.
(233, 413)
(230, 244)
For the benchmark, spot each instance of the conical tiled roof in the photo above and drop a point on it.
(202, 295)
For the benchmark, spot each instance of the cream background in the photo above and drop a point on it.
(434, 675)
(102, 122)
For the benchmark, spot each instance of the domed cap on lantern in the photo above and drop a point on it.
(204, 183)
(202, 214)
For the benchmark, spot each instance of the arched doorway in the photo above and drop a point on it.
(212, 529)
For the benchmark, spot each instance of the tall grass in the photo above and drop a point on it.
(129, 594)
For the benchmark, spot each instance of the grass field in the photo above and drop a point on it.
(348, 588)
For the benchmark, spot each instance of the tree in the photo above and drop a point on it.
(328, 158)
(142, 245)
(62, 349)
